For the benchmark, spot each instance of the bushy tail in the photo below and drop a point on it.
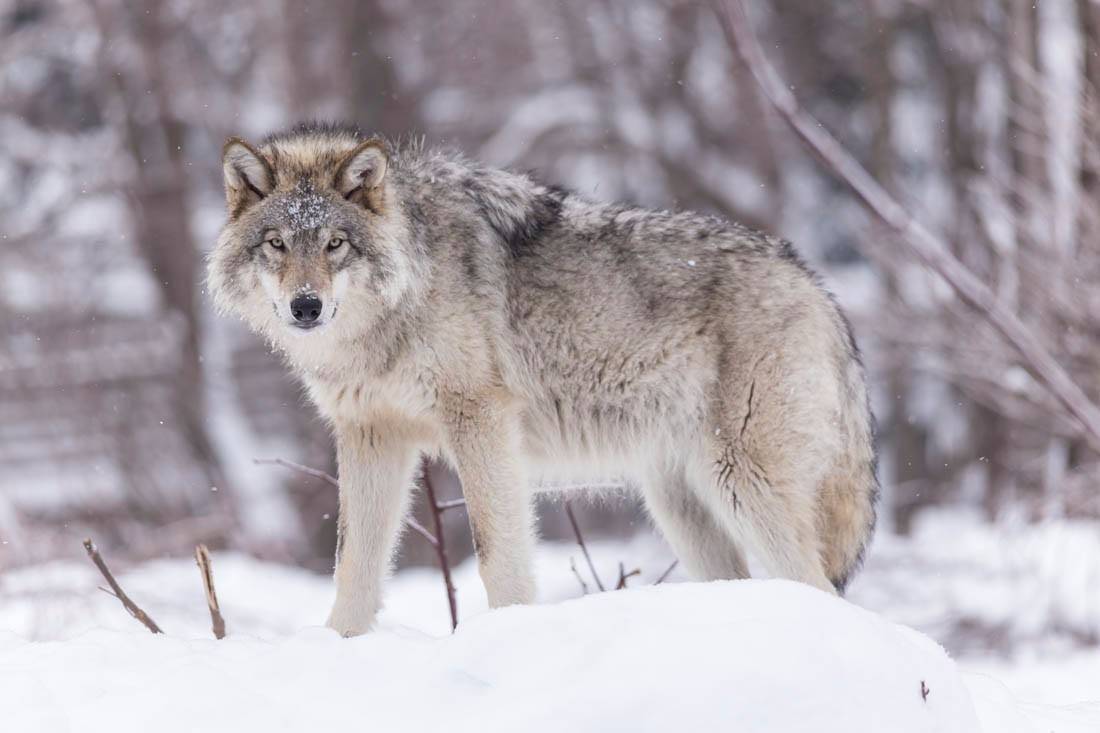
(849, 494)
(848, 513)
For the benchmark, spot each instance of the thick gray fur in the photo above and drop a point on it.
(525, 333)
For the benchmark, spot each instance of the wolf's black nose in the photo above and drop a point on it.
(306, 308)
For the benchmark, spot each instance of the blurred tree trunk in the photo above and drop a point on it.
(1029, 200)
(907, 438)
(159, 202)
(338, 67)
(1027, 136)
(961, 41)
(1088, 173)
(374, 95)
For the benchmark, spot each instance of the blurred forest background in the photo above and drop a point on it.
(131, 412)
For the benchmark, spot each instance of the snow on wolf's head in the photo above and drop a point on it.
(315, 239)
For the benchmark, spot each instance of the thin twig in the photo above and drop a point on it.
(206, 572)
(580, 541)
(668, 572)
(922, 243)
(440, 545)
(132, 608)
(314, 472)
(624, 576)
(421, 530)
(577, 575)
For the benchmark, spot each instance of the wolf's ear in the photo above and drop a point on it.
(248, 175)
(363, 169)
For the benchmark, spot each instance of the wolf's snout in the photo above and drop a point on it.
(306, 309)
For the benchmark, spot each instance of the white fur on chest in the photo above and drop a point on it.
(360, 397)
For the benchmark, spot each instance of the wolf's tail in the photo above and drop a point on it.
(849, 493)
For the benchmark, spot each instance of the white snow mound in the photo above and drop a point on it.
(746, 655)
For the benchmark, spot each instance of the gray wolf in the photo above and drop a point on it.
(431, 305)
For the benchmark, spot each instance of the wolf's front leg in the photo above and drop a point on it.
(484, 441)
(377, 463)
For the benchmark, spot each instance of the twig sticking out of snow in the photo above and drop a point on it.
(577, 574)
(666, 573)
(206, 571)
(440, 545)
(580, 541)
(624, 576)
(116, 590)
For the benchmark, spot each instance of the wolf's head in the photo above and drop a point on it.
(314, 232)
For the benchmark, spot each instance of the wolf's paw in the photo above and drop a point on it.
(349, 623)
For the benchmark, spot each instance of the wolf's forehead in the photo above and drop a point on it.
(304, 208)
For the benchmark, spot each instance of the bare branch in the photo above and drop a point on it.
(440, 546)
(314, 472)
(921, 243)
(206, 571)
(577, 575)
(666, 573)
(580, 541)
(132, 608)
(624, 576)
(421, 530)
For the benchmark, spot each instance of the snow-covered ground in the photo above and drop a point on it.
(756, 655)
(764, 655)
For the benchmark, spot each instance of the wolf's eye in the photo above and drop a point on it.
(336, 243)
(274, 242)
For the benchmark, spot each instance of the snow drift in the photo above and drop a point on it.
(747, 656)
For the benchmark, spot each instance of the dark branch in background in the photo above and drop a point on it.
(206, 571)
(436, 540)
(116, 590)
(580, 541)
(921, 243)
(314, 472)
(440, 544)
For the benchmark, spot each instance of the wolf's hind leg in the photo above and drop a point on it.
(775, 515)
(704, 546)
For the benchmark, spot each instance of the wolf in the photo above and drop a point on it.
(435, 306)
